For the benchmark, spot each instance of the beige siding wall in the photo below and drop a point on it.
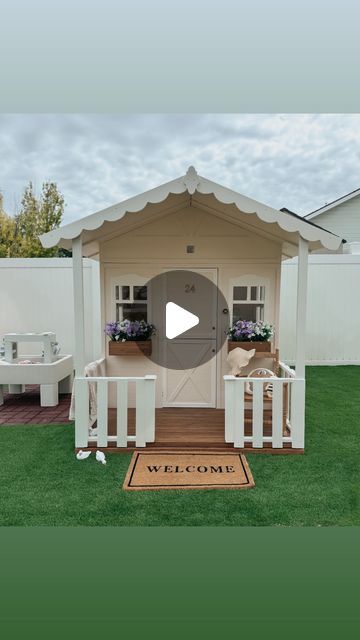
(161, 245)
(344, 220)
(167, 238)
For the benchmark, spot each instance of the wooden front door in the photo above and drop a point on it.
(195, 386)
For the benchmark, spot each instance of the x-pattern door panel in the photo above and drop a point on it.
(191, 387)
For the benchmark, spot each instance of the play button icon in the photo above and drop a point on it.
(186, 309)
(178, 320)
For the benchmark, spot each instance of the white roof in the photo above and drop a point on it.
(204, 192)
(334, 203)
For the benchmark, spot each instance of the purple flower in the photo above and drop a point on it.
(249, 331)
(112, 329)
(129, 330)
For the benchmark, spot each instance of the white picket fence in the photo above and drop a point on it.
(286, 389)
(286, 407)
(145, 411)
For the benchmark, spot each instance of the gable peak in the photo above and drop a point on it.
(191, 180)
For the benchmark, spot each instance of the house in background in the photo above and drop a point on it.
(342, 217)
(238, 244)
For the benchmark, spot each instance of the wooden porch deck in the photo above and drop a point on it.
(178, 428)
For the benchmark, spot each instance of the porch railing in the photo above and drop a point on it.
(282, 415)
(144, 416)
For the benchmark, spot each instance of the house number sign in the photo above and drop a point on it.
(189, 288)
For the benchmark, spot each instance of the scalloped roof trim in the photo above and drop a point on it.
(192, 183)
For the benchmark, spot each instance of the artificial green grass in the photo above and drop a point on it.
(42, 483)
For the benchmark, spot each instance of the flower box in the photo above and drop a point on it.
(129, 338)
(248, 334)
(262, 347)
(130, 348)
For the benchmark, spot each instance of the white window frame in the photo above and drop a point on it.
(128, 280)
(249, 281)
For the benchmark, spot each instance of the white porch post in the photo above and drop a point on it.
(301, 308)
(97, 333)
(78, 279)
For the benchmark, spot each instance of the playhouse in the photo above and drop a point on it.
(237, 243)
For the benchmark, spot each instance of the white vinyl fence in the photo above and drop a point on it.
(333, 310)
(36, 294)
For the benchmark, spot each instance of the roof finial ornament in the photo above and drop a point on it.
(191, 180)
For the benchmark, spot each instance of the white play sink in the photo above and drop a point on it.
(53, 377)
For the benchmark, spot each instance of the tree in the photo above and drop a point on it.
(7, 234)
(37, 216)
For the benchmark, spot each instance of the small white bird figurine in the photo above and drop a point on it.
(82, 455)
(100, 457)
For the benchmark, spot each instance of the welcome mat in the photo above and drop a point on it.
(187, 470)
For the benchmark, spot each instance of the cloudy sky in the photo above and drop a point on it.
(297, 161)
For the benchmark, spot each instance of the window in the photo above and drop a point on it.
(248, 302)
(131, 302)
